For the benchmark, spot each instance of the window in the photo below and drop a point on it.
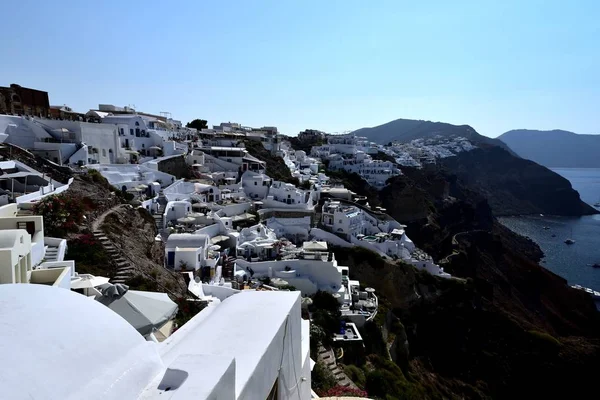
(255, 183)
(137, 123)
(103, 152)
(137, 132)
(340, 221)
(122, 131)
(131, 131)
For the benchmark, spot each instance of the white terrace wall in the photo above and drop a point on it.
(308, 276)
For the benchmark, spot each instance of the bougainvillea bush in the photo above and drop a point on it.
(62, 214)
(342, 391)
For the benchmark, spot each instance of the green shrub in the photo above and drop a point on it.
(356, 374)
(89, 255)
(321, 378)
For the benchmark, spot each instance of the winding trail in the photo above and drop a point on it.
(100, 220)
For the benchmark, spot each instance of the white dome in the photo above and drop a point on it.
(58, 344)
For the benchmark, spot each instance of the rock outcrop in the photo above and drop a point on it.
(514, 186)
(506, 328)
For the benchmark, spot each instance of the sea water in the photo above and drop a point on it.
(572, 262)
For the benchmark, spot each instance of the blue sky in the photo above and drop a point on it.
(330, 65)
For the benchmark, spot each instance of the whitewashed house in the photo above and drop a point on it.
(186, 251)
(255, 185)
(286, 195)
(346, 220)
(207, 358)
(26, 255)
(175, 210)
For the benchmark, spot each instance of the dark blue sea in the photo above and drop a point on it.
(573, 262)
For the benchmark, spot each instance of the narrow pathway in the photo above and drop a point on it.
(124, 269)
(100, 220)
(327, 357)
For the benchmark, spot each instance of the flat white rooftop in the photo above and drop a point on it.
(244, 327)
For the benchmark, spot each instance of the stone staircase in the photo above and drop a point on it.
(123, 266)
(158, 217)
(327, 357)
(51, 253)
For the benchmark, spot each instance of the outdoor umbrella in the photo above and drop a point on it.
(87, 281)
(186, 220)
(145, 311)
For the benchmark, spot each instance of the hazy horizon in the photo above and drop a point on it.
(334, 66)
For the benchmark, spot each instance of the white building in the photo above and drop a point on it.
(25, 185)
(128, 176)
(201, 192)
(353, 154)
(186, 251)
(27, 256)
(346, 220)
(230, 159)
(255, 185)
(294, 229)
(175, 210)
(207, 358)
(286, 195)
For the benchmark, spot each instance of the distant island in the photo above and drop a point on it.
(556, 148)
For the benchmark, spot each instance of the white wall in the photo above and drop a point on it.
(232, 209)
(320, 234)
(308, 276)
(175, 210)
(220, 292)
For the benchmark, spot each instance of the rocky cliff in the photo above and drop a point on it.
(513, 185)
(509, 328)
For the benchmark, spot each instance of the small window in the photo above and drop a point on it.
(137, 123)
(131, 131)
(340, 221)
(122, 131)
(255, 183)
(103, 152)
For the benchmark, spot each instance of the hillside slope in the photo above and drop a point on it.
(555, 148)
(405, 130)
(512, 329)
(514, 186)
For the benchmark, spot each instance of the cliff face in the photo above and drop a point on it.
(513, 185)
(509, 329)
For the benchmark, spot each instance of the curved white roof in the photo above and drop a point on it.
(70, 347)
(187, 240)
